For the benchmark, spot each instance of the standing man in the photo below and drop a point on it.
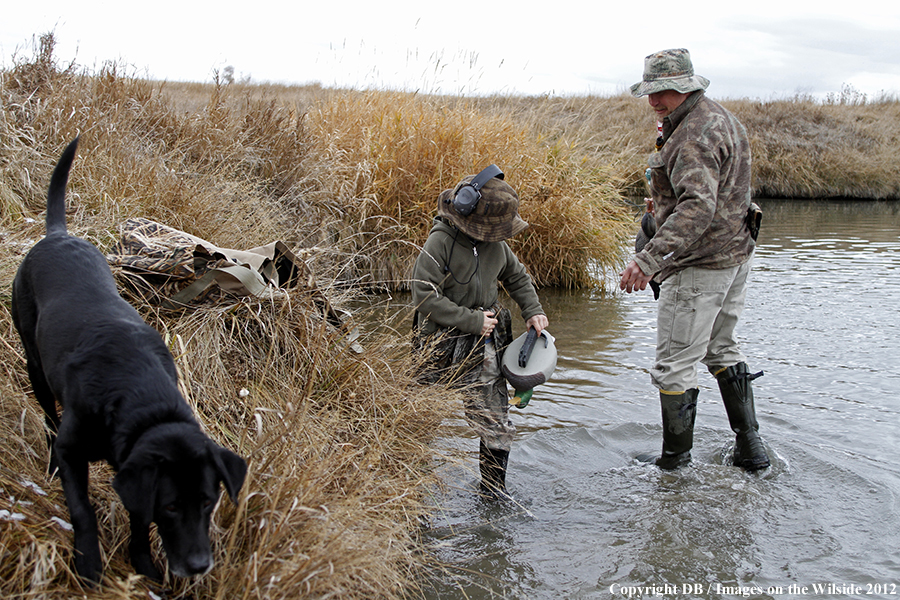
(700, 256)
(458, 320)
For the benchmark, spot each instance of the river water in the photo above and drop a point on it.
(822, 321)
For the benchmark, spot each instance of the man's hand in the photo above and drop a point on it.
(633, 278)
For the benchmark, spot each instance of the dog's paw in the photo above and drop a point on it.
(143, 565)
(89, 567)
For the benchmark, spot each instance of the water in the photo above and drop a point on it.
(589, 522)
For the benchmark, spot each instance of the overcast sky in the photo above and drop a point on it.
(761, 49)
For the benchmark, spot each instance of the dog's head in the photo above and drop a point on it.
(171, 478)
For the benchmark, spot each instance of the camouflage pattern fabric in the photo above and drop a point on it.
(468, 362)
(450, 357)
(171, 268)
(454, 357)
(669, 70)
(487, 411)
(496, 216)
(700, 185)
(155, 249)
(157, 262)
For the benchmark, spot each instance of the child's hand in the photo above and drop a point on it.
(489, 323)
(538, 322)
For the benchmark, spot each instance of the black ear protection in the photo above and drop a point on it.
(468, 195)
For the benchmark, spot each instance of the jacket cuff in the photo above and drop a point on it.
(647, 263)
(474, 323)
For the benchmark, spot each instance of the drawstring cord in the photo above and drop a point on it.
(447, 266)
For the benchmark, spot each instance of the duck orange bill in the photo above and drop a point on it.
(521, 399)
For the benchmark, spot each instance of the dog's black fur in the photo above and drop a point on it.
(89, 350)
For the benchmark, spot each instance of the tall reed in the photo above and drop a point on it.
(338, 441)
(401, 150)
(842, 147)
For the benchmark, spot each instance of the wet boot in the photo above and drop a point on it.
(493, 471)
(679, 411)
(737, 394)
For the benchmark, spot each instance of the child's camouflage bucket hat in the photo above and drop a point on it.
(669, 70)
(496, 216)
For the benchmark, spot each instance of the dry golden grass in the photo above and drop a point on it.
(843, 147)
(401, 150)
(338, 442)
(807, 149)
(339, 463)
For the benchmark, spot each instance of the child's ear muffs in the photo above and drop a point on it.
(467, 196)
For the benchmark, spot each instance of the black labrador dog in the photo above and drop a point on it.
(90, 351)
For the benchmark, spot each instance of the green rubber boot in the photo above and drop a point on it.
(737, 394)
(679, 411)
(493, 471)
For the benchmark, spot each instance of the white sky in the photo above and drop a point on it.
(755, 49)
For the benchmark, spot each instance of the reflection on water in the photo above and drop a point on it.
(821, 320)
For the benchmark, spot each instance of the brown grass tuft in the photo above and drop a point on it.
(338, 450)
(400, 150)
(338, 442)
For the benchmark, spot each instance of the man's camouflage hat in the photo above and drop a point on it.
(669, 70)
(496, 216)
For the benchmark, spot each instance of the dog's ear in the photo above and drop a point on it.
(136, 486)
(232, 470)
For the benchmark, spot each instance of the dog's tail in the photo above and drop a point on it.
(56, 195)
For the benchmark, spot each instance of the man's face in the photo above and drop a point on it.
(664, 102)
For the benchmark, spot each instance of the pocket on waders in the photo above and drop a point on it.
(684, 316)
